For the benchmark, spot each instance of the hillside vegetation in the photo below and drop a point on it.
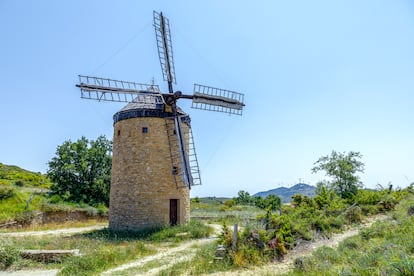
(24, 193)
(14, 175)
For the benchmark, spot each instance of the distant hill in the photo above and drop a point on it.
(286, 194)
(14, 175)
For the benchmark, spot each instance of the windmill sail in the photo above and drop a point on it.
(183, 157)
(184, 163)
(216, 99)
(102, 89)
(164, 45)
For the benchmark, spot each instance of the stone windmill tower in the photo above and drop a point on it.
(154, 162)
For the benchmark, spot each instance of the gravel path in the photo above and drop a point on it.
(163, 254)
(65, 232)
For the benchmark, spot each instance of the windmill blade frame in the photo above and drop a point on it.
(165, 53)
(217, 99)
(104, 89)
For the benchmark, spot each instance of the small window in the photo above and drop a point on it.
(174, 170)
(119, 132)
(144, 130)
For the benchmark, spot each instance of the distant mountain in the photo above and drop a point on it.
(286, 194)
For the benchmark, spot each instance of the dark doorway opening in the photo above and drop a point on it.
(173, 211)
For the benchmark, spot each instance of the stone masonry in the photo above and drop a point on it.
(142, 183)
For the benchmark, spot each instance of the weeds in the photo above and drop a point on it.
(8, 255)
(385, 248)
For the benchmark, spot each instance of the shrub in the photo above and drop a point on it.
(55, 199)
(370, 209)
(229, 203)
(6, 192)
(195, 200)
(368, 197)
(326, 254)
(303, 264)
(353, 214)
(377, 230)
(25, 217)
(321, 224)
(337, 222)
(350, 243)
(8, 256)
(388, 203)
(19, 183)
(403, 267)
(410, 210)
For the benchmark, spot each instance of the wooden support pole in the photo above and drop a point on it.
(234, 242)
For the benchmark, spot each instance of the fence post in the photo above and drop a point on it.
(234, 242)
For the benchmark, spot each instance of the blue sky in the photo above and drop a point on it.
(317, 76)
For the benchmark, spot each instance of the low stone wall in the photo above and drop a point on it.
(39, 218)
(63, 216)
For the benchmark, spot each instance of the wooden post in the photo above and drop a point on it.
(234, 243)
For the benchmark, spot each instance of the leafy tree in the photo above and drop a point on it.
(273, 202)
(243, 198)
(342, 168)
(81, 170)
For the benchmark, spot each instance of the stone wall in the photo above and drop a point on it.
(142, 183)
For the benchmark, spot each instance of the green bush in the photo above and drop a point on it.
(350, 243)
(229, 203)
(6, 192)
(337, 222)
(368, 197)
(327, 254)
(8, 256)
(19, 183)
(388, 203)
(402, 267)
(410, 210)
(377, 230)
(303, 264)
(370, 209)
(353, 214)
(321, 224)
(55, 199)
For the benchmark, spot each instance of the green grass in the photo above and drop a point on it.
(215, 211)
(385, 248)
(101, 249)
(14, 207)
(202, 263)
(13, 175)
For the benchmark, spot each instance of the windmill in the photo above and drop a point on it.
(154, 161)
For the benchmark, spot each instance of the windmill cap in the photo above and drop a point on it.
(148, 106)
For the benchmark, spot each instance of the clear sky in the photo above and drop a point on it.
(317, 76)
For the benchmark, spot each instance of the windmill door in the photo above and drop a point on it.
(173, 211)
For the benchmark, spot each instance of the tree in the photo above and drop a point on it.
(273, 202)
(243, 198)
(342, 168)
(81, 170)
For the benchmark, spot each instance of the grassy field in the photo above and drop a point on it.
(265, 235)
(213, 210)
(386, 248)
(100, 249)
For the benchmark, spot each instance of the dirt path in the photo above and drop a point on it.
(304, 249)
(186, 251)
(165, 255)
(65, 232)
(169, 256)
